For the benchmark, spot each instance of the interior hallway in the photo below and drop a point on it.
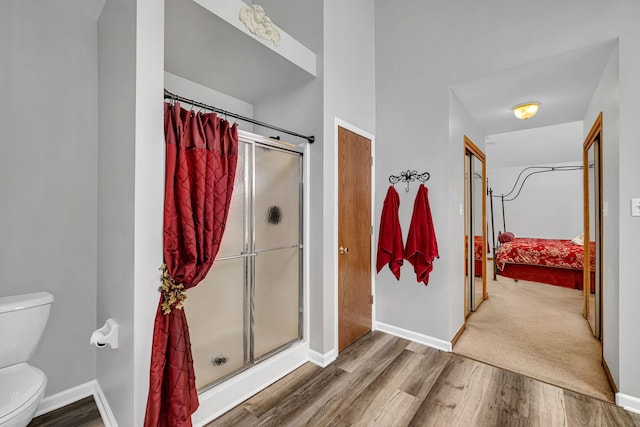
(537, 330)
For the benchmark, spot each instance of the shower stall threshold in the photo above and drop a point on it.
(248, 366)
(221, 397)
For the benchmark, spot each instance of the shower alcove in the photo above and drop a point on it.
(248, 318)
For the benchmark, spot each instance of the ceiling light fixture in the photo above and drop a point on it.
(526, 111)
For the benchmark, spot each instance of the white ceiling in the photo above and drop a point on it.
(203, 48)
(539, 146)
(562, 84)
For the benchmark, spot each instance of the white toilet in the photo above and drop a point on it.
(22, 322)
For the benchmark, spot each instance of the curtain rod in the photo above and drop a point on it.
(172, 96)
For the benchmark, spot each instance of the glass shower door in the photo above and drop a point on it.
(250, 304)
(215, 308)
(277, 309)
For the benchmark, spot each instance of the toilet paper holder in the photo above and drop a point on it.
(108, 334)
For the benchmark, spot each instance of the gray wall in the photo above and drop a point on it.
(48, 180)
(629, 177)
(349, 95)
(549, 205)
(149, 190)
(422, 48)
(130, 195)
(53, 218)
(300, 109)
(461, 125)
(412, 120)
(606, 100)
(116, 156)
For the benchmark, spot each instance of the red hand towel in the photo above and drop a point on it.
(390, 247)
(422, 246)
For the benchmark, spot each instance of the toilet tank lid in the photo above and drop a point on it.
(18, 302)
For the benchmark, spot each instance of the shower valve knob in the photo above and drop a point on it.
(343, 250)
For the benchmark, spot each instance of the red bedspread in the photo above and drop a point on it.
(543, 252)
(477, 247)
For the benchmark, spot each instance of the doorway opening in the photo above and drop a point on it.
(516, 294)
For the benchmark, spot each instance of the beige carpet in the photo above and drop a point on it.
(536, 330)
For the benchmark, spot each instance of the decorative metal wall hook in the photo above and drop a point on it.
(409, 176)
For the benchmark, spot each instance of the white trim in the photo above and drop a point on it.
(106, 414)
(352, 128)
(65, 397)
(306, 238)
(414, 336)
(629, 403)
(323, 360)
(374, 249)
(345, 125)
(223, 397)
(74, 394)
(334, 235)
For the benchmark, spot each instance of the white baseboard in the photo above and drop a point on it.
(221, 398)
(630, 403)
(65, 397)
(103, 407)
(69, 396)
(322, 360)
(413, 336)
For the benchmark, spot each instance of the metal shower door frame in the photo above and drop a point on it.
(249, 252)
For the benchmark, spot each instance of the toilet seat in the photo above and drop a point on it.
(21, 386)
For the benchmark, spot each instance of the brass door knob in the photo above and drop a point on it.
(343, 250)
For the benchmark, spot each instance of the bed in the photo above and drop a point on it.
(552, 261)
(477, 254)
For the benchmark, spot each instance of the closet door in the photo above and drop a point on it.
(475, 287)
(468, 236)
(593, 274)
(276, 309)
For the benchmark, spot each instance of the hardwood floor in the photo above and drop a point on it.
(83, 413)
(382, 380)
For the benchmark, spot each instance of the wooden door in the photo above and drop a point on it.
(354, 237)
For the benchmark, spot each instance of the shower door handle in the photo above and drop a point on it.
(343, 250)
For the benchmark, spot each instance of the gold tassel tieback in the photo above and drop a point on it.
(173, 293)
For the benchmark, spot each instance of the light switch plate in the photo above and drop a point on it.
(635, 206)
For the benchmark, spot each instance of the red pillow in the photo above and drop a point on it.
(505, 237)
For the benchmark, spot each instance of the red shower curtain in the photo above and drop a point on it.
(201, 157)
